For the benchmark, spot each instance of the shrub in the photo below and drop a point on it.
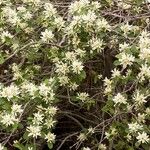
(90, 64)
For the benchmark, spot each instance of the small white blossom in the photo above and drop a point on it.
(77, 6)
(123, 46)
(147, 111)
(1, 147)
(123, 5)
(86, 148)
(8, 119)
(141, 117)
(5, 35)
(102, 147)
(134, 127)
(47, 36)
(63, 80)
(10, 92)
(49, 10)
(50, 137)
(119, 99)
(126, 28)
(82, 137)
(62, 68)
(102, 24)
(139, 98)
(49, 123)
(77, 67)
(16, 109)
(34, 131)
(96, 44)
(30, 88)
(83, 96)
(38, 118)
(70, 56)
(143, 137)
(51, 110)
(126, 59)
(144, 53)
(115, 73)
(44, 90)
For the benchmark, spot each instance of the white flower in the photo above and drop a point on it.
(115, 73)
(147, 111)
(123, 5)
(134, 127)
(47, 36)
(123, 46)
(8, 119)
(59, 22)
(27, 15)
(91, 130)
(77, 67)
(34, 131)
(29, 87)
(144, 72)
(129, 137)
(107, 135)
(102, 24)
(119, 99)
(50, 123)
(144, 53)
(44, 90)
(1, 147)
(141, 117)
(139, 98)
(4, 35)
(126, 28)
(49, 10)
(11, 15)
(143, 137)
(21, 9)
(107, 82)
(96, 5)
(16, 109)
(63, 80)
(108, 85)
(50, 137)
(126, 59)
(86, 148)
(38, 118)
(10, 92)
(35, 2)
(62, 68)
(77, 6)
(51, 110)
(82, 137)
(80, 52)
(70, 56)
(96, 44)
(30, 148)
(83, 96)
(102, 147)
(73, 86)
(144, 42)
(89, 18)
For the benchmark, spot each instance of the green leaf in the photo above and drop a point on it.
(50, 145)
(19, 146)
(1, 59)
(25, 136)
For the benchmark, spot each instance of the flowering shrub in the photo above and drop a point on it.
(91, 65)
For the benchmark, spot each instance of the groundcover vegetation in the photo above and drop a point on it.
(74, 75)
